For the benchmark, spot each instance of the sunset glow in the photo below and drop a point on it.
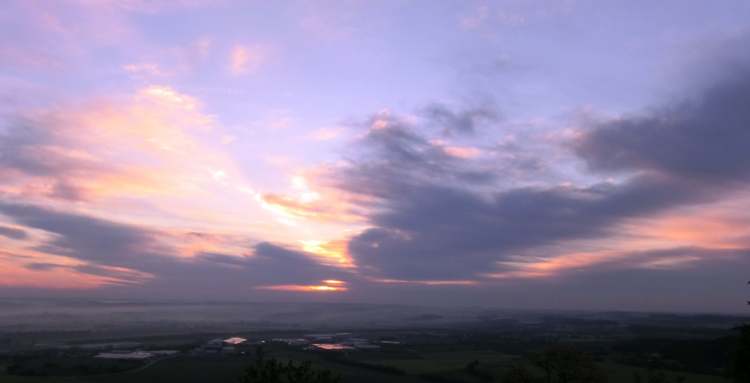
(328, 285)
(393, 152)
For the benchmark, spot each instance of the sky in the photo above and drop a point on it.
(571, 154)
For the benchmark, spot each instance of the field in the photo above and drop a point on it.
(685, 349)
(414, 366)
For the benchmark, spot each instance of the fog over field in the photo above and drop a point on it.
(78, 315)
(86, 314)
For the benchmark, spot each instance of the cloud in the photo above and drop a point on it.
(153, 168)
(465, 152)
(264, 266)
(152, 156)
(310, 200)
(394, 150)
(658, 280)
(513, 14)
(151, 6)
(448, 218)
(143, 69)
(43, 266)
(438, 232)
(478, 17)
(85, 238)
(51, 35)
(128, 255)
(110, 275)
(326, 134)
(458, 122)
(12, 233)
(702, 138)
(139, 145)
(244, 59)
(31, 150)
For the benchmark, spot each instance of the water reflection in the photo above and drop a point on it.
(332, 346)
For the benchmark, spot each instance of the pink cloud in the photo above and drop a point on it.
(326, 134)
(247, 59)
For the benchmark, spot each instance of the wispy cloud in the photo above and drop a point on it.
(247, 59)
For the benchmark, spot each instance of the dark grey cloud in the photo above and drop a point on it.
(12, 256)
(17, 144)
(434, 222)
(442, 232)
(12, 233)
(43, 266)
(38, 147)
(709, 280)
(452, 122)
(706, 137)
(270, 264)
(398, 151)
(226, 276)
(224, 259)
(687, 259)
(82, 237)
(22, 145)
(115, 276)
(126, 254)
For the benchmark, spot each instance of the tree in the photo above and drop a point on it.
(273, 371)
(740, 368)
(472, 368)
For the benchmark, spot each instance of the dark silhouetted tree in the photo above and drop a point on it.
(740, 368)
(472, 368)
(266, 370)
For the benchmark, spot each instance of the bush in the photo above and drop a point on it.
(740, 367)
(272, 371)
